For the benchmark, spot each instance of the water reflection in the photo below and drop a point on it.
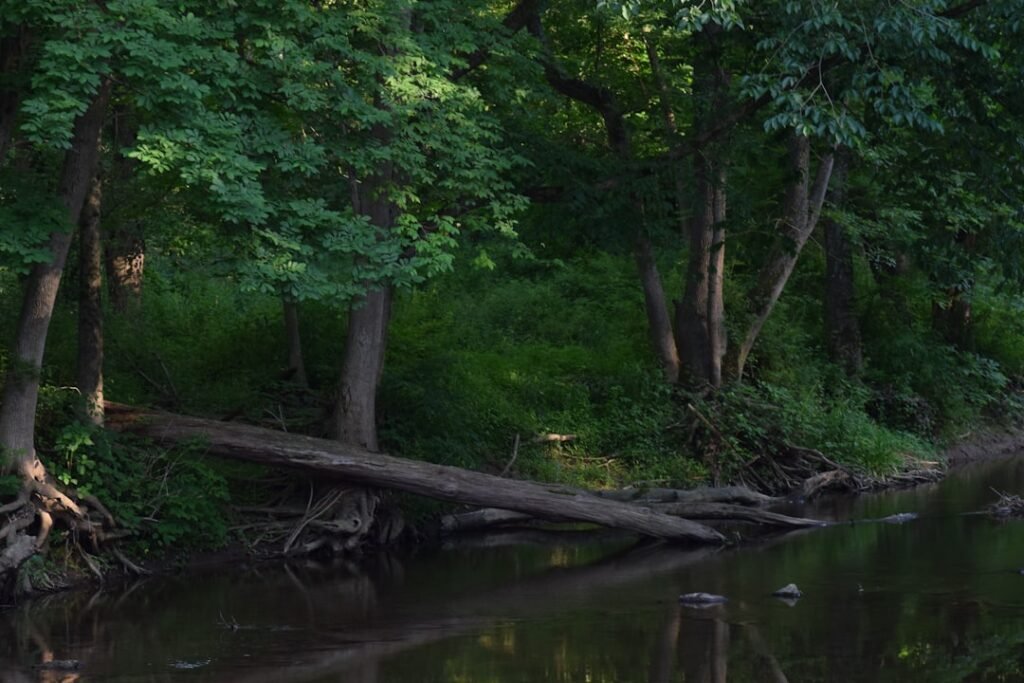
(938, 598)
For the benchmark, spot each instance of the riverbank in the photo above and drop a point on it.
(944, 586)
(47, 577)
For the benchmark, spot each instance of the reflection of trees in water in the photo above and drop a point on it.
(37, 663)
(305, 622)
(338, 622)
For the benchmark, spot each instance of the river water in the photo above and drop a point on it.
(938, 598)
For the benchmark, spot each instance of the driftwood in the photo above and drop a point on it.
(330, 458)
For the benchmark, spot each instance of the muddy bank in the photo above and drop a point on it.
(986, 442)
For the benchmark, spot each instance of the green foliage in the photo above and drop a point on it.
(480, 357)
(172, 500)
(312, 150)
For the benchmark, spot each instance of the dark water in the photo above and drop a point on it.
(939, 598)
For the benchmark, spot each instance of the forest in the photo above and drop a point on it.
(551, 245)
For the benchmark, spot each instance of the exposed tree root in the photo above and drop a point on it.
(335, 519)
(806, 473)
(38, 508)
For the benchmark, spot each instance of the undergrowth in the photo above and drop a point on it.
(481, 363)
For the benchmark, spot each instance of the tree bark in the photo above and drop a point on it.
(360, 466)
(692, 324)
(736, 495)
(487, 518)
(659, 324)
(716, 284)
(125, 245)
(354, 420)
(293, 335)
(842, 330)
(355, 414)
(90, 311)
(21, 387)
(802, 208)
(700, 316)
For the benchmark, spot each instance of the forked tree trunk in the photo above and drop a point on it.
(21, 387)
(293, 335)
(842, 330)
(90, 311)
(355, 411)
(700, 315)
(801, 211)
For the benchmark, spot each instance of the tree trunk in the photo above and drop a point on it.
(21, 388)
(355, 411)
(716, 285)
(700, 316)
(360, 466)
(355, 416)
(296, 362)
(842, 330)
(659, 324)
(801, 211)
(125, 248)
(90, 312)
(605, 103)
(692, 324)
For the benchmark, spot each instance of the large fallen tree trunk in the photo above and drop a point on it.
(738, 495)
(256, 444)
(488, 518)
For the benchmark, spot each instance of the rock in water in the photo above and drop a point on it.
(702, 599)
(791, 592)
(900, 518)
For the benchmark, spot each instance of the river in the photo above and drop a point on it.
(937, 598)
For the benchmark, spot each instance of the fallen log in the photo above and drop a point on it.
(739, 495)
(489, 518)
(483, 518)
(737, 513)
(443, 482)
